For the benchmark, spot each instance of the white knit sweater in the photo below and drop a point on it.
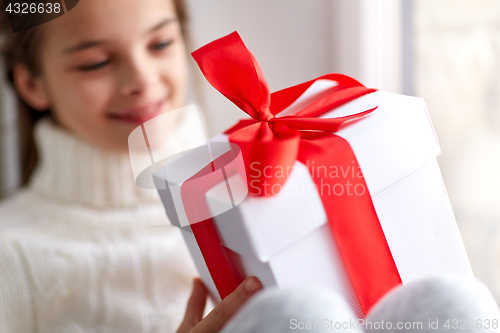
(79, 251)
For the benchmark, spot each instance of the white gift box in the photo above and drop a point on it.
(286, 240)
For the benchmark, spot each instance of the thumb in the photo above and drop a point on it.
(195, 307)
(221, 314)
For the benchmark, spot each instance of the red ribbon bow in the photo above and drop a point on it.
(267, 141)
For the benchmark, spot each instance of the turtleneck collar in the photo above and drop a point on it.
(72, 170)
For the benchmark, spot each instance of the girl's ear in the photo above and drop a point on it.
(31, 88)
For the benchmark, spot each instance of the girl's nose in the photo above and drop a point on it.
(136, 78)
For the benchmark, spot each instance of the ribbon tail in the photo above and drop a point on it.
(320, 124)
(352, 216)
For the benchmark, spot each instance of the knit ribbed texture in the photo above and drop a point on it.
(80, 249)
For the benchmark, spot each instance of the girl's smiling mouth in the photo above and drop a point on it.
(140, 114)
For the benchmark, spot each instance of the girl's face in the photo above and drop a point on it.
(109, 65)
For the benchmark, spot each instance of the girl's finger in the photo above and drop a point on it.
(221, 314)
(195, 307)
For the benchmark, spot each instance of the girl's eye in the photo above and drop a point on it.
(94, 67)
(161, 46)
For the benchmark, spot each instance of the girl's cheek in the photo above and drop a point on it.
(175, 71)
(94, 95)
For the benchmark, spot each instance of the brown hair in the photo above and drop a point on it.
(22, 48)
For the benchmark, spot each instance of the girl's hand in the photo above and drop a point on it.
(193, 319)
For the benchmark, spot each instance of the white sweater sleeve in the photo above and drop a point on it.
(16, 309)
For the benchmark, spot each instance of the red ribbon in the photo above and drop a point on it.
(268, 141)
(193, 193)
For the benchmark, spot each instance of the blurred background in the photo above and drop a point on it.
(445, 51)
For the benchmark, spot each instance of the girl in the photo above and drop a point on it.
(77, 252)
